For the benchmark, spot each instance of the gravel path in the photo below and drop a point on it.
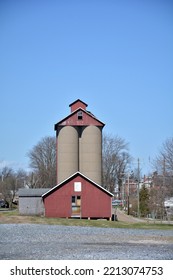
(30, 241)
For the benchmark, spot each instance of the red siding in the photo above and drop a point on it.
(95, 203)
(78, 104)
(86, 120)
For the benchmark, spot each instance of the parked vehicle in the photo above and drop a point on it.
(116, 202)
(4, 204)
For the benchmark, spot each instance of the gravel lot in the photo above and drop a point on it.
(48, 242)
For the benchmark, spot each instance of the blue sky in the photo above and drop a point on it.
(115, 55)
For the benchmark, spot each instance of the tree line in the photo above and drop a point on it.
(117, 162)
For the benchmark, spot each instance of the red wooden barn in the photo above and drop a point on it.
(80, 197)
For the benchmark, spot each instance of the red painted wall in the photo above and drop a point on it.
(86, 120)
(94, 202)
(79, 104)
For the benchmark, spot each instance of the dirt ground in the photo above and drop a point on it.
(12, 219)
(122, 217)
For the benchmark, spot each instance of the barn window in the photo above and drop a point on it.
(79, 115)
(73, 200)
(77, 186)
(76, 205)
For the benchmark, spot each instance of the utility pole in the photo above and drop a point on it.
(2, 177)
(128, 194)
(138, 187)
(163, 190)
(123, 189)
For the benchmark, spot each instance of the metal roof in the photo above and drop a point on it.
(78, 100)
(32, 192)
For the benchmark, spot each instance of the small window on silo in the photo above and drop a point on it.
(79, 115)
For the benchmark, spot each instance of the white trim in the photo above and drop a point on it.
(85, 111)
(100, 187)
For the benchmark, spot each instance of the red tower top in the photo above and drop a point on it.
(79, 116)
(78, 104)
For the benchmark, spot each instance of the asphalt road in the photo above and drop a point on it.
(52, 242)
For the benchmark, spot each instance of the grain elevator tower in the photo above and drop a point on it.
(79, 144)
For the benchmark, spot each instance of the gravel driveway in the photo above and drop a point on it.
(33, 241)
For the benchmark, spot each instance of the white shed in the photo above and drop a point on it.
(30, 201)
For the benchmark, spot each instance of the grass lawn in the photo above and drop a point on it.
(14, 217)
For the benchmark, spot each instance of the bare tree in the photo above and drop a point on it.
(10, 182)
(162, 181)
(164, 159)
(43, 162)
(115, 160)
(163, 164)
(32, 180)
(7, 185)
(158, 192)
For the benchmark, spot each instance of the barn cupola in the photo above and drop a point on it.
(78, 104)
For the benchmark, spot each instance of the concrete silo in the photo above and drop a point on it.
(67, 152)
(79, 144)
(90, 153)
